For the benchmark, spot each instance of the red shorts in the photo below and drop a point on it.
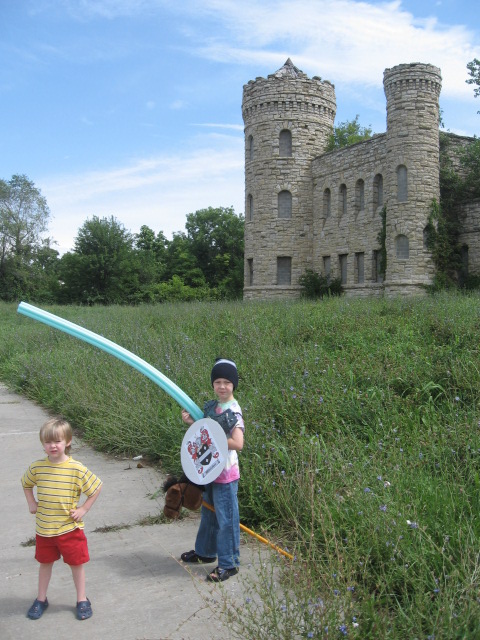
(72, 546)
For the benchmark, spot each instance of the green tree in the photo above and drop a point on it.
(102, 268)
(347, 133)
(474, 72)
(215, 239)
(24, 216)
(181, 262)
(150, 258)
(147, 241)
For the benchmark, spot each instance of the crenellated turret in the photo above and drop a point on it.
(412, 171)
(288, 118)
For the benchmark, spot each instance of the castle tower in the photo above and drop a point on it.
(411, 172)
(288, 118)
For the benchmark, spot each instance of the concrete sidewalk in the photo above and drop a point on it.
(138, 588)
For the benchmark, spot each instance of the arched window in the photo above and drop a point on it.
(402, 247)
(402, 184)
(285, 143)
(250, 148)
(284, 204)
(359, 196)
(250, 207)
(327, 198)
(284, 270)
(342, 200)
(377, 192)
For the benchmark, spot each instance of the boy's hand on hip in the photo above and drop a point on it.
(77, 514)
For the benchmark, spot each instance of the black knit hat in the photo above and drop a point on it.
(226, 369)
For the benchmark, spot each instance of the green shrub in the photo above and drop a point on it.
(317, 286)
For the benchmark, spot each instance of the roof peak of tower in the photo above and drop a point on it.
(289, 70)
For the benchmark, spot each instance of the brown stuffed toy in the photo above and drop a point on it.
(181, 492)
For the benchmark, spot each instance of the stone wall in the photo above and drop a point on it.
(354, 231)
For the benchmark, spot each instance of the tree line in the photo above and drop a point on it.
(111, 265)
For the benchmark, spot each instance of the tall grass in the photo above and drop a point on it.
(362, 452)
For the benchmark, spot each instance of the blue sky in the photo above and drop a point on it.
(132, 108)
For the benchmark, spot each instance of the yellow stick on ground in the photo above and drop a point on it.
(252, 533)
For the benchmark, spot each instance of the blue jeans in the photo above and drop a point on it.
(219, 531)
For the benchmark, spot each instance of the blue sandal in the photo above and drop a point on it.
(84, 609)
(36, 610)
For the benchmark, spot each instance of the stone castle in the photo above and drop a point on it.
(307, 209)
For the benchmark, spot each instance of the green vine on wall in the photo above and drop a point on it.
(442, 233)
(444, 224)
(382, 241)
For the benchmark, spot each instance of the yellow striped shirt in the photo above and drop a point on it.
(59, 487)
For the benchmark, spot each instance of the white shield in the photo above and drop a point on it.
(204, 451)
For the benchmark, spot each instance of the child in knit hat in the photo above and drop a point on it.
(219, 531)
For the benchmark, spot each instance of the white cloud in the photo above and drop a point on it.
(158, 192)
(178, 104)
(345, 41)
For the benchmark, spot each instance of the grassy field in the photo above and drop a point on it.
(362, 452)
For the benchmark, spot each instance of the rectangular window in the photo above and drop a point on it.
(464, 257)
(402, 184)
(342, 260)
(377, 275)
(359, 269)
(250, 272)
(327, 267)
(284, 271)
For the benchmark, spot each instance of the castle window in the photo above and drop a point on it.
(250, 207)
(377, 192)
(342, 200)
(250, 271)
(359, 196)
(464, 267)
(327, 268)
(285, 144)
(327, 198)
(284, 204)
(402, 247)
(250, 148)
(359, 268)
(426, 235)
(284, 270)
(402, 185)
(377, 275)
(342, 263)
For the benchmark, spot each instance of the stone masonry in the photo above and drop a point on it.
(307, 209)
